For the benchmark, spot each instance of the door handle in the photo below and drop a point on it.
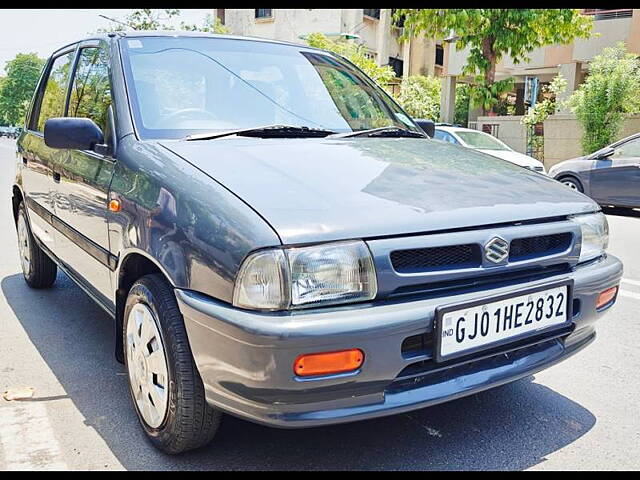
(56, 177)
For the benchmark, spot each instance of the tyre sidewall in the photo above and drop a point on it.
(22, 211)
(142, 293)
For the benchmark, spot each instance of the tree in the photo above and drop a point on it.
(356, 54)
(17, 88)
(146, 19)
(491, 34)
(211, 25)
(420, 96)
(611, 90)
(153, 19)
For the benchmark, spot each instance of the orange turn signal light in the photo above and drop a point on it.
(606, 296)
(114, 205)
(328, 362)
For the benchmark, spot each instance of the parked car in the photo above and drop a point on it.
(486, 143)
(611, 176)
(275, 238)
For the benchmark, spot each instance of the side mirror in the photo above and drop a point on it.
(603, 153)
(73, 133)
(427, 126)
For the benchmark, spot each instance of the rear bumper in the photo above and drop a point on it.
(246, 358)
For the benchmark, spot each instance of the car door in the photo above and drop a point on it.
(37, 173)
(85, 177)
(616, 180)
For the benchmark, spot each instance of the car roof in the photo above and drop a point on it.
(182, 33)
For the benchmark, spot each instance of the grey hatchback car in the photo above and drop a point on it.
(275, 238)
(611, 175)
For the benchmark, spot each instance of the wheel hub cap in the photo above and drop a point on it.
(147, 365)
(571, 185)
(24, 245)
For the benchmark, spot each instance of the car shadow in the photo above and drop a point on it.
(622, 212)
(513, 427)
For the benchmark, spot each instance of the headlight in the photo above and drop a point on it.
(332, 273)
(595, 235)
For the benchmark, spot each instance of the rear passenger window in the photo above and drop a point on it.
(55, 93)
(91, 93)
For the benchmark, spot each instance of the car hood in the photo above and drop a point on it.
(515, 157)
(312, 190)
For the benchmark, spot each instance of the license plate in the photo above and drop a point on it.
(467, 328)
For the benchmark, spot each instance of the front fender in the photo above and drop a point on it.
(194, 229)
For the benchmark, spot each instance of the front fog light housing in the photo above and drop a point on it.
(277, 279)
(595, 235)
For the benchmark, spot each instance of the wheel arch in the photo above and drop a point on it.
(16, 198)
(134, 265)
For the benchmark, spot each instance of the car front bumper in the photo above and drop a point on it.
(246, 358)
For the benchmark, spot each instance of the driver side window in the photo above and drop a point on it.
(628, 149)
(91, 91)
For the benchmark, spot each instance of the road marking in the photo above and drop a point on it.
(27, 439)
(631, 282)
(628, 294)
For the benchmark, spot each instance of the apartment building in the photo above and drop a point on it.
(572, 61)
(373, 28)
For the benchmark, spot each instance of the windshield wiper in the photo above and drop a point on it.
(390, 131)
(268, 131)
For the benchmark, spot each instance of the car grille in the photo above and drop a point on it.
(420, 259)
(543, 245)
(469, 255)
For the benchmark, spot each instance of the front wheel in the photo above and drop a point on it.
(38, 269)
(165, 385)
(572, 184)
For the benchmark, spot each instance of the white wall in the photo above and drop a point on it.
(286, 25)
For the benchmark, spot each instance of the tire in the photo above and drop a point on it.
(179, 419)
(38, 269)
(572, 183)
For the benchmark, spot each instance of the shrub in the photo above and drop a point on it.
(611, 90)
(420, 96)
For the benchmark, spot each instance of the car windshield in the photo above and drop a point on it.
(481, 141)
(180, 86)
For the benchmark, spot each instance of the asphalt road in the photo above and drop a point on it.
(580, 414)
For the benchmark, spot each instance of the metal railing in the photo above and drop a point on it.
(605, 14)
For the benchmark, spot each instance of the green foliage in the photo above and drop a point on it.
(461, 112)
(211, 25)
(154, 19)
(611, 90)
(420, 96)
(546, 107)
(490, 34)
(18, 86)
(356, 54)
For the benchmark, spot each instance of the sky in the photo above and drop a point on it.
(44, 30)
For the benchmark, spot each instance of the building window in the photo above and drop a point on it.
(372, 12)
(397, 65)
(439, 55)
(220, 15)
(264, 13)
